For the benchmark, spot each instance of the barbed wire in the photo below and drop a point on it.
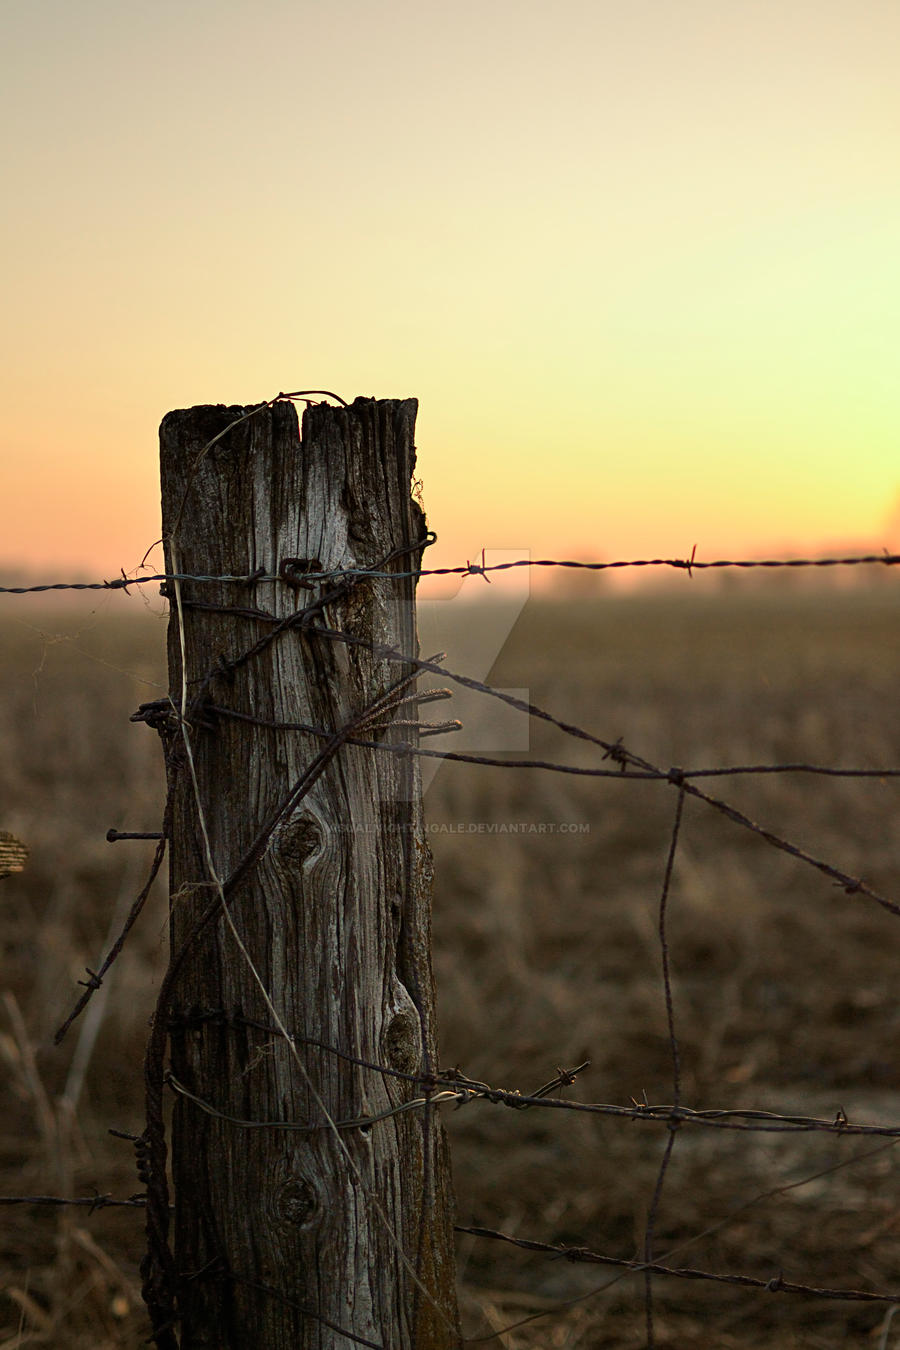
(265, 575)
(777, 1284)
(407, 748)
(630, 768)
(88, 1202)
(627, 760)
(201, 714)
(686, 1243)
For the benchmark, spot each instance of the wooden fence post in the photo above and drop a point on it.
(286, 1236)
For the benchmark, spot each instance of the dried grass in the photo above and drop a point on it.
(546, 953)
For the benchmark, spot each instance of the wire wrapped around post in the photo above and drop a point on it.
(300, 896)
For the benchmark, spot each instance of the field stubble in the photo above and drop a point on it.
(546, 954)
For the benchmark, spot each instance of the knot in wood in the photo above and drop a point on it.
(401, 1041)
(299, 839)
(296, 1203)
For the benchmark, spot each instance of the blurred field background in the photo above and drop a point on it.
(546, 954)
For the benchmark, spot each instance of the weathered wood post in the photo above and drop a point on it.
(286, 1236)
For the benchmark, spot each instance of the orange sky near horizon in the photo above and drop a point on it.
(638, 262)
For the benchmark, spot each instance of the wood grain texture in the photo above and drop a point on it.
(277, 1242)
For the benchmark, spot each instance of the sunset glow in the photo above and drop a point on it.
(638, 262)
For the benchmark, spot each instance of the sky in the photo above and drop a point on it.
(638, 260)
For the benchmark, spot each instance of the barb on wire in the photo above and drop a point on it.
(692, 1240)
(114, 836)
(450, 1086)
(160, 1277)
(777, 1284)
(402, 748)
(626, 759)
(159, 1286)
(745, 1120)
(465, 1089)
(96, 978)
(89, 1202)
(123, 583)
(689, 565)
